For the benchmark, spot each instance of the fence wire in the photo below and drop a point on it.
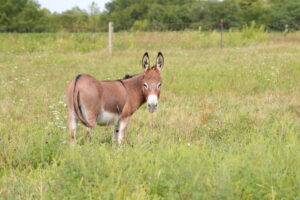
(278, 26)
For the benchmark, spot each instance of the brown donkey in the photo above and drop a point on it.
(113, 102)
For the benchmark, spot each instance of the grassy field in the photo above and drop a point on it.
(228, 125)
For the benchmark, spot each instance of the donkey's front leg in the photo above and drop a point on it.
(122, 128)
(116, 132)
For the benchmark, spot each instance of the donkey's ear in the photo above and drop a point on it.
(146, 61)
(159, 61)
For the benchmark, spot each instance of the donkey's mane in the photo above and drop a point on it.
(127, 76)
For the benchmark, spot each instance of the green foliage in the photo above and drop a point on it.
(180, 15)
(252, 31)
(253, 10)
(140, 25)
(284, 12)
(150, 15)
(20, 16)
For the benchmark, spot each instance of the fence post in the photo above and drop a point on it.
(222, 30)
(110, 37)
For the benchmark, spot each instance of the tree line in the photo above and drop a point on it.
(148, 15)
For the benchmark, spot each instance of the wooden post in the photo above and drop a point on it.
(222, 29)
(110, 37)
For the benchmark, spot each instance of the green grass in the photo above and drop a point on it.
(228, 125)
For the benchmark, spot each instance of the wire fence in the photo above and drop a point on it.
(199, 26)
(243, 33)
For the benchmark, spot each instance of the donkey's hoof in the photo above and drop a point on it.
(73, 143)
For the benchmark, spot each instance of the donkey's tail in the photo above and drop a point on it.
(76, 104)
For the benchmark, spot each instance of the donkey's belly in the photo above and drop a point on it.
(107, 118)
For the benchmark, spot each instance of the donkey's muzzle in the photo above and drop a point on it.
(152, 107)
(152, 103)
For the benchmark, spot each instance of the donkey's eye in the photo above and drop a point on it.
(145, 85)
(159, 85)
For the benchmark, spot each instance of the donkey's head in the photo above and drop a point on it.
(152, 81)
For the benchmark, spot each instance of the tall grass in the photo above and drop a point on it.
(227, 125)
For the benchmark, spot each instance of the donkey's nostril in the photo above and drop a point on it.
(152, 107)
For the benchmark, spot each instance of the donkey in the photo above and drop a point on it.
(112, 102)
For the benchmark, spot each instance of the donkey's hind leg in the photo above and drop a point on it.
(72, 119)
(92, 121)
(88, 134)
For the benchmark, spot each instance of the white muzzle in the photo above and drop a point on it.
(152, 103)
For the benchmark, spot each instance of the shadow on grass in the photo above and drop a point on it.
(94, 140)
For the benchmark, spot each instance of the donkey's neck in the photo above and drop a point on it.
(135, 93)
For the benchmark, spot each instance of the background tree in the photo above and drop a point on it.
(145, 15)
(20, 15)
